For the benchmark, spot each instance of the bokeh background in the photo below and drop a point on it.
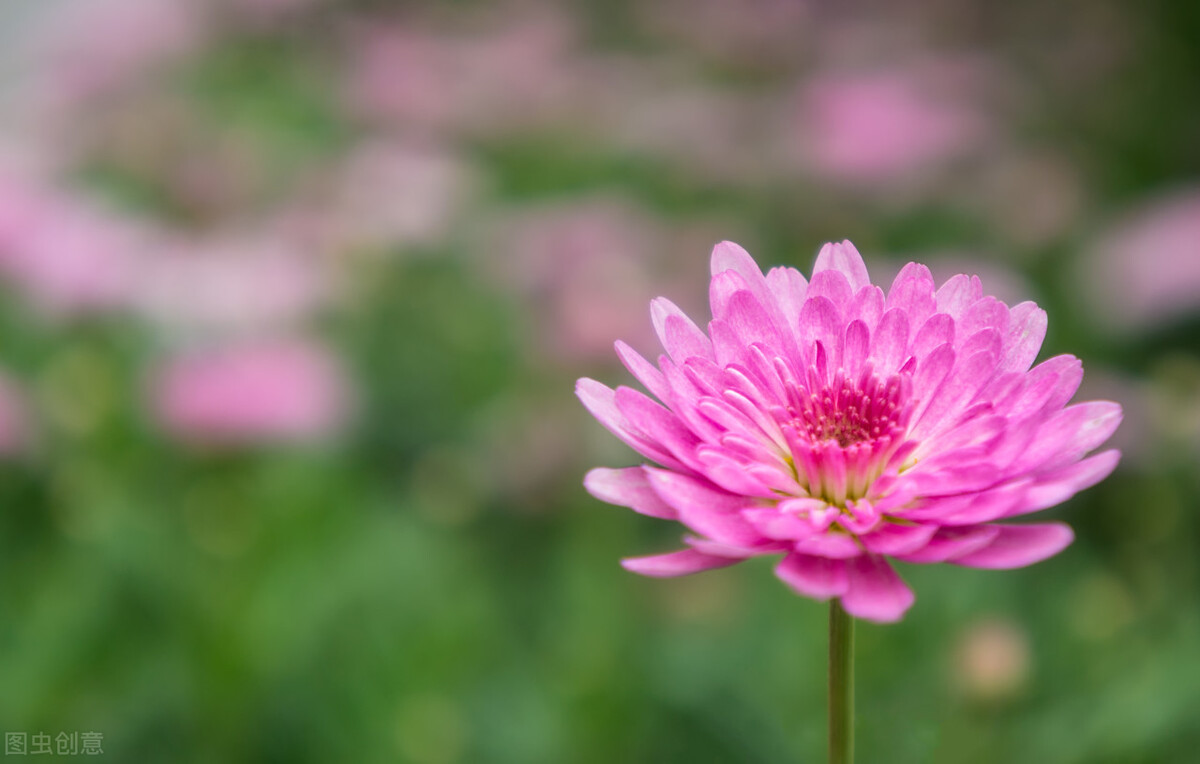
(295, 292)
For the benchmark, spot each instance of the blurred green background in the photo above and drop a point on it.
(295, 293)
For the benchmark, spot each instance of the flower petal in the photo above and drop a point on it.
(893, 538)
(644, 371)
(789, 288)
(1026, 331)
(816, 577)
(937, 330)
(1059, 486)
(1070, 433)
(727, 256)
(889, 342)
(820, 321)
(751, 322)
(681, 563)
(953, 542)
(839, 546)
(658, 424)
(845, 259)
(1016, 546)
(705, 508)
(601, 402)
(855, 348)
(680, 336)
(912, 292)
(628, 487)
(957, 294)
(874, 591)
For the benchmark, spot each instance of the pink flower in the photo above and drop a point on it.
(86, 51)
(282, 391)
(239, 281)
(67, 255)
(881, 127)
(1146, 271)
(838, 426)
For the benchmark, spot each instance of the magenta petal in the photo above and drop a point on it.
(658, 424)
(912, 292)
(833, 286)
(830, 544)
(855, 347)
(988, 313)
(1059, 486)
(721, 290)
(937, 330)
(750, 321)
(684, 491)
(955, 392)
(628, 487)
(1016, 546)
(705, 508)
(957, 294)
(889, 344)
(644, 371)
(932, 370)
(601, 402)
(816, 577)
(844, 258)
(789, 287)
(874, 591)
(820, 321)
(891, 538)
(775, 523)
(726, 472)
(1026, 330)
(680, 336)
(727, 256)
(680, 563)
(867, 305)
(1070, 433)
(953, 542)
(985, 340)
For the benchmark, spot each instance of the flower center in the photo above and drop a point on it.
(842, 436)
(848, 413)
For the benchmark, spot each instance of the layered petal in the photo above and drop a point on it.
(874, 591)
(671, 564)
(1015, 546)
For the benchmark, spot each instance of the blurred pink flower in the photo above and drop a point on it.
(250, 282)
(586, 268)
(880, 127)
(433, 81)
(1146, 269)
(85, 51)
(389, 194)
(286, 390)
(1004, 282)
(838, 426)
(64, 253)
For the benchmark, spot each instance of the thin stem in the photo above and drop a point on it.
(841, 685)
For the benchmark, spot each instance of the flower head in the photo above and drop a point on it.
(838, 425)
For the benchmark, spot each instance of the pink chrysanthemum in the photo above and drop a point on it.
(839, 426)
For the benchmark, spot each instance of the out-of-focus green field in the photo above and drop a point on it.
(466, 203)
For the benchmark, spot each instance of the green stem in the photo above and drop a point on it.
(841, 685)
